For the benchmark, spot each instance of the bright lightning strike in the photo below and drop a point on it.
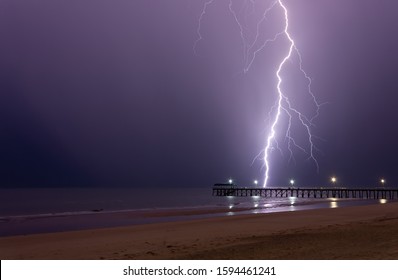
(283, 105)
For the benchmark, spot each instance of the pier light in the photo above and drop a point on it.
(255, 182)
(382, 181)
(333, 179)
(291, 182)
(230, 181)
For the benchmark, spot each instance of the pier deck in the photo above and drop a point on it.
(365, 193)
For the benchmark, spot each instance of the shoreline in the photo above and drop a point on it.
(100, 218)
(361, 232)
(65, 222)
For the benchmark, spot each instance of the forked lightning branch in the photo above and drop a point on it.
(283, 104)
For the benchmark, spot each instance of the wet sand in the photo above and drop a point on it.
(361, 232)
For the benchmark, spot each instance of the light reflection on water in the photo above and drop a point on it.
(255, 205)
(333, 204)
(290, 204)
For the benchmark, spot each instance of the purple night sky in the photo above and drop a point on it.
(110, 93)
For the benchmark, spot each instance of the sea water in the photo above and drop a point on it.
(37, 210)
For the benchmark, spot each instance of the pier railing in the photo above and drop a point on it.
(308, 192)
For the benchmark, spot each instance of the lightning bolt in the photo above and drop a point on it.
(198, 30)
(283, 104)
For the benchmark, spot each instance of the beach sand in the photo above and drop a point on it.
(361, 232)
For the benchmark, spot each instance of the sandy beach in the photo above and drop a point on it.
(362, 232)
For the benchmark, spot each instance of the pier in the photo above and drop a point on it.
(273, 192)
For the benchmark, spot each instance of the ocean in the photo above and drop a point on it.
(39, 210)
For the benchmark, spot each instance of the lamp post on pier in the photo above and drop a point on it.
(333, 180)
